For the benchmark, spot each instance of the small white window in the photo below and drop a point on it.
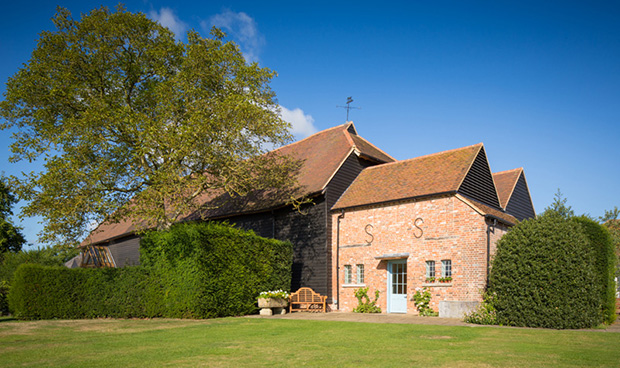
(360, 273)
(446, 268)
(347, 274)
(430, 269)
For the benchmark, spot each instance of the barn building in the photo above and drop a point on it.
(374, 222)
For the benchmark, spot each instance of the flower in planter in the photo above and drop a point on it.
(275, 294)
(430, 279)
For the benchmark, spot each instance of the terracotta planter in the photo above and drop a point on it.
(272, 303)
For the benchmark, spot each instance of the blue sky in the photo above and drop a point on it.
(537, 82)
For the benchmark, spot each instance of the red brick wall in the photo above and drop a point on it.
(448, 229)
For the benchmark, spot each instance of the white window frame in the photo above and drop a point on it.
(347, 274)
(446, 268)
(359, 270)
(429, 269)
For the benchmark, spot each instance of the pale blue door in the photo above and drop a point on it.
(397, 286)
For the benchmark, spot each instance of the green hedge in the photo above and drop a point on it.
(544, 275)
(44, 292)
(4, 297)
(224, 268)
(197, 270)
(605, 263)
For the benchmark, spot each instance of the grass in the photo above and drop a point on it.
(263, 342)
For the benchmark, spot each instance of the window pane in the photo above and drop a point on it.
(347, 274)
(446, 268)
(430, 268)
(360, 273)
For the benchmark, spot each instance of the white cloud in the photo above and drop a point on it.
(168, 19)
(302, 124)
(242, 28)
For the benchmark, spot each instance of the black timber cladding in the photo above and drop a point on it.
(520, 203)
(306, 230)
(478, 183)
(125, 250)
(341, 181)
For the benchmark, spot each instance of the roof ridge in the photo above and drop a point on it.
(423, 156)
(345, 126)
(507, 171)
(347, 135)
(375, 147)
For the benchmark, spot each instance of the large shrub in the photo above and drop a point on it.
(605, 264)
(221, 267)
(544, 275)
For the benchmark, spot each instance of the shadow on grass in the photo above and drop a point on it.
(7, 319)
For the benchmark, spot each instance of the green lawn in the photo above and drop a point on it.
(263, 342)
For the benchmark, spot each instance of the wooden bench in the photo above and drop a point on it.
(306, 300)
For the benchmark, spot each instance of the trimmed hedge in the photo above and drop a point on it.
(44, 292)
(544, 275)
(199, 270)
(225, 268)
(605, 263)
(4, 297)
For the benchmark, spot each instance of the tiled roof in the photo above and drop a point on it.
(441, 172)
(483, 209)
(321, 155)
(324, 152)
(505, 182)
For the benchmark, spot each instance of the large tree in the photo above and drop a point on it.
(131, 122)
(11, 238)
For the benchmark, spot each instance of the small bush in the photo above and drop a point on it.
(422, 300)
(485, 314)
(367, 305)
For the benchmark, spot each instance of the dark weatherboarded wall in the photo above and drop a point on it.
(306, 230)
(520, 204)
(126, 251)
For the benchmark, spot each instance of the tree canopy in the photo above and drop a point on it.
(132, 123)
(11, 238)
(559, 206)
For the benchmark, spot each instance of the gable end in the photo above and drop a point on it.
(520, 203)
(478, 183)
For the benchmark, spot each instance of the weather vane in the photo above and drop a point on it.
(349, 107)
